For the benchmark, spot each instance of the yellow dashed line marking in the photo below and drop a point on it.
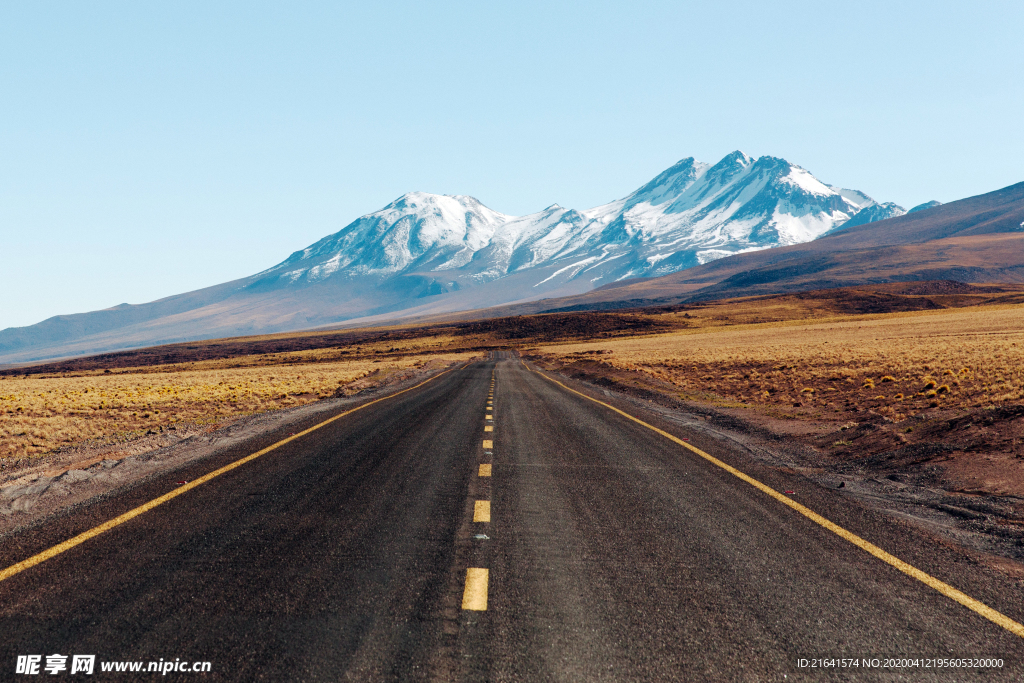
(146, 507)
(488, 443)
(475, 595)
(489, 428)
(485, 470)
(490, 417)
(482, 511)
(952, 593)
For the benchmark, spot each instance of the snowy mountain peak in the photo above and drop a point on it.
(927, 205)
(874, 212)
(798, 177)
(668, 184)
(688, 214)
(728, 168)
(856, 198)
(739, 158)
(424, 205)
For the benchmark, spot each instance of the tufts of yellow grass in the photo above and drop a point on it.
(979, 351)
(40, 414)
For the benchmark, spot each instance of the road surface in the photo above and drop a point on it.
(592, 549)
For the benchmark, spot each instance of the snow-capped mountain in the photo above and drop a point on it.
(688, 215)
(927, 205)
(870, 214)
(429, 254)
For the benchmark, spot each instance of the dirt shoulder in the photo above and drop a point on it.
(59, 482)
(959, 477)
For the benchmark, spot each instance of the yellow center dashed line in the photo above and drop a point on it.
(146, 507)
(474, 597)
(944, 588)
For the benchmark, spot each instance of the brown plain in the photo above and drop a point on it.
(892, 351)
(896, 364)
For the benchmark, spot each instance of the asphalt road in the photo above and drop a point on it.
(611, 553)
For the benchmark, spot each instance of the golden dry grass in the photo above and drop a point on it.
(764, 351)
(893, 363)
(40, 414)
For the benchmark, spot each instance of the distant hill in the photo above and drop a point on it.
(870, 214)
(927, 205)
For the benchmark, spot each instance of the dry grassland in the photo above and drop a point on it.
(894, 364)
(797, 355)
(41, 414)
(119, 397)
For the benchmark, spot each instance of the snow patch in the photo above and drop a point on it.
(558, 272)
(806, 182)
(709, 255)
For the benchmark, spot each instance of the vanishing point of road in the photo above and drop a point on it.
(492, 524)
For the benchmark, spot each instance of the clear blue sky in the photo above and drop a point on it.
(147, 149)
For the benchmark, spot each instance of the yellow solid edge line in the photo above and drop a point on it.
(488, 443)
(485, 470)
(475, 595)
(927, 579)
(482, 511)
(146, 507)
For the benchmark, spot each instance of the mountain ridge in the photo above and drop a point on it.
(451, 252)
(978, 239)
